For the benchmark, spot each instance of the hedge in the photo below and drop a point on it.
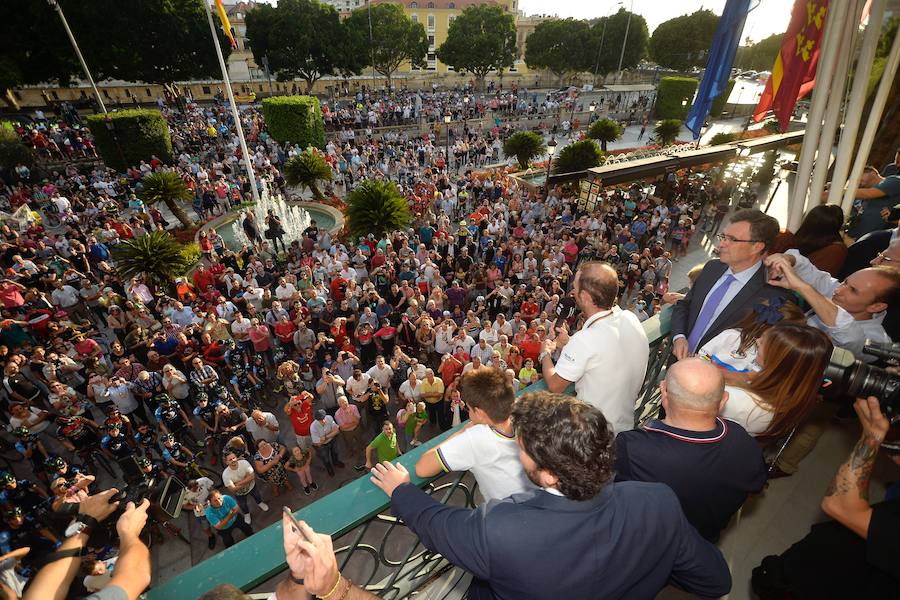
(295, 119)
(718, 105)
(13, 151)
(136, 134)
(671, 93)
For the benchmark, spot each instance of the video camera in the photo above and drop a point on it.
(859, 380)
(166, 494)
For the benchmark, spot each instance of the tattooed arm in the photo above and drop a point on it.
(847, 498)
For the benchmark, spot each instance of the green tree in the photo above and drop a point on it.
(395, 38)
(480, 40)
(167, 188)
(301, 38)
(157, 256)
(666, 131)
(13, 151)
(152, 41)
(604, 58)
(306, 170)
(604, 131)
(759, 56)
(524, 145)
(558, 45)
(578, 156)
(684, 42)
(126, 137)
(376, 206)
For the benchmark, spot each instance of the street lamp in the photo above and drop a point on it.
(465, 111)
(551, 148)
(592, 107)
(447, 117)
(738, 101)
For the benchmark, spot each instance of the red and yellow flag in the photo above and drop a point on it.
(794, 73)
(226, 24)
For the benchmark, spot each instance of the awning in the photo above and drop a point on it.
(633, 170)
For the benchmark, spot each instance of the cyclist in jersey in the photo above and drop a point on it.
(115, 444)
(172, 419)
(174, 453)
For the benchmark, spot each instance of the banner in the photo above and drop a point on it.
(226, 24)
(794, 72)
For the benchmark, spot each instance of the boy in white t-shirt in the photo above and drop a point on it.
(487, 446)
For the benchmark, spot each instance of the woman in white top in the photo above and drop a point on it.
(734, 351)
(770, 403)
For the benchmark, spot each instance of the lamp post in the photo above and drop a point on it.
(447, 118)
(592, 107)
(625, 39)
(734, 106)
(551, 149)
(466, 111)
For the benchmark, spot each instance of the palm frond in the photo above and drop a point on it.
(164, 186)
(157, 256)
(376, 207)
(307, 168)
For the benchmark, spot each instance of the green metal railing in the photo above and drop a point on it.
(365, 534)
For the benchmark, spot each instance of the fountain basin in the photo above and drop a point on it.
(326, 217)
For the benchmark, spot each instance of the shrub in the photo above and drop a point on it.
(12, 150)
(157, 256)
(136, 134)
(672, 91)
(306, 170)
(376, 207)
(295, 119)
(578, 156)
(604, 131)
(524, 145)
(666, 131)
(723, 138)
(167, 188)
(718, 104)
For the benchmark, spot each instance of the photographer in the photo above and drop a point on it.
(857, 554)
(132, 573)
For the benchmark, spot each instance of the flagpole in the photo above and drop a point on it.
(234, 111)
(853, 115)
(873, 123)
(87, 72)
(829, 43)
(835, 100)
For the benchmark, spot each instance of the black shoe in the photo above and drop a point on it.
(306, 490)
(313, 486)
(211, 542)
(339, 464)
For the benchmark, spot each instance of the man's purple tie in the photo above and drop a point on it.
(706, 315)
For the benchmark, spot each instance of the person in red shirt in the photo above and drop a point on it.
(338, 288)
(449, 369)
(11, 294)
(299, 410)
(203, 277)
(531, 347)
(284, 331)
(529, 309)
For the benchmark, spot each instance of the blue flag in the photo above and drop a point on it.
(721, 59)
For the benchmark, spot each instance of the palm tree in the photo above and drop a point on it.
(167, 187)
(524, 145)
(605, 131)
(667, 131)
(157, 256)
(376, 207)
(578, 156)
(306, 169)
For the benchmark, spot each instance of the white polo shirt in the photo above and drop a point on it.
(491, 456)
(607, 361)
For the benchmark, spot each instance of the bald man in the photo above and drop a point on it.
(711, 463)
(607, 358)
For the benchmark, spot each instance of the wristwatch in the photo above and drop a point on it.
(85, 524)
(542, 355)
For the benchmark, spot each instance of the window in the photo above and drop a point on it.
(430, 22)
(414, 5)
(149, 95)
(55, 95)
(431, 5)
(431, 40)
(206, 89)
(450, 18)
(451, 5)
(415, 18)
(19, 96)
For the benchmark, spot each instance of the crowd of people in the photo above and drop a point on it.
(369, 347)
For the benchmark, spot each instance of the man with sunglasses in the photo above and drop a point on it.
(729, 287)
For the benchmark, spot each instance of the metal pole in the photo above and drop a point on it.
(371, 41)
(602, 38)
(625, 40)
(834, 23)
(853, 113)
(873, 123)
(87, 72)
(265, 62)
(234, 111)
(833, 112)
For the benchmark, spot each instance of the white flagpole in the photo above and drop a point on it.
(234, 110)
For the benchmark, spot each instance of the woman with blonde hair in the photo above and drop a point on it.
(792, 359)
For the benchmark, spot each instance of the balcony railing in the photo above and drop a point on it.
(375, 549)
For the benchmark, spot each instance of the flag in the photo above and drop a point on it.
(794, 73)
(226, 24)
(718, 66)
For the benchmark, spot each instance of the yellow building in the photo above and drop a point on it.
(437, 15)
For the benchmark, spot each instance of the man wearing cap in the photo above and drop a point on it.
(324, 431)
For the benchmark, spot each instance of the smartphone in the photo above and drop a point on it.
(293, 521)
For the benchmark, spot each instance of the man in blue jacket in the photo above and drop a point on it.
(581, 535)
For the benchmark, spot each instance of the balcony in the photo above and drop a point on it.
(374, 548)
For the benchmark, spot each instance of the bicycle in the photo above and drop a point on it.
(92, 456)
(193, 470)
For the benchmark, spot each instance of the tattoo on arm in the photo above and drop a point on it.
(855, 473)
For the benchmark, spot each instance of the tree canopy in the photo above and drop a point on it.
(301, 38)
(395, 38)
(560, 46)
(480, 40)
(153, 41)
(684, 41)
(759, 56)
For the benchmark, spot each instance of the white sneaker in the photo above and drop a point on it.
(263, 506)
(247, 519)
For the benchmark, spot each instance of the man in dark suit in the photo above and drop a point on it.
(727, 288)
(580, 536)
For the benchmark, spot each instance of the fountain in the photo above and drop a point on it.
(294, 219)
